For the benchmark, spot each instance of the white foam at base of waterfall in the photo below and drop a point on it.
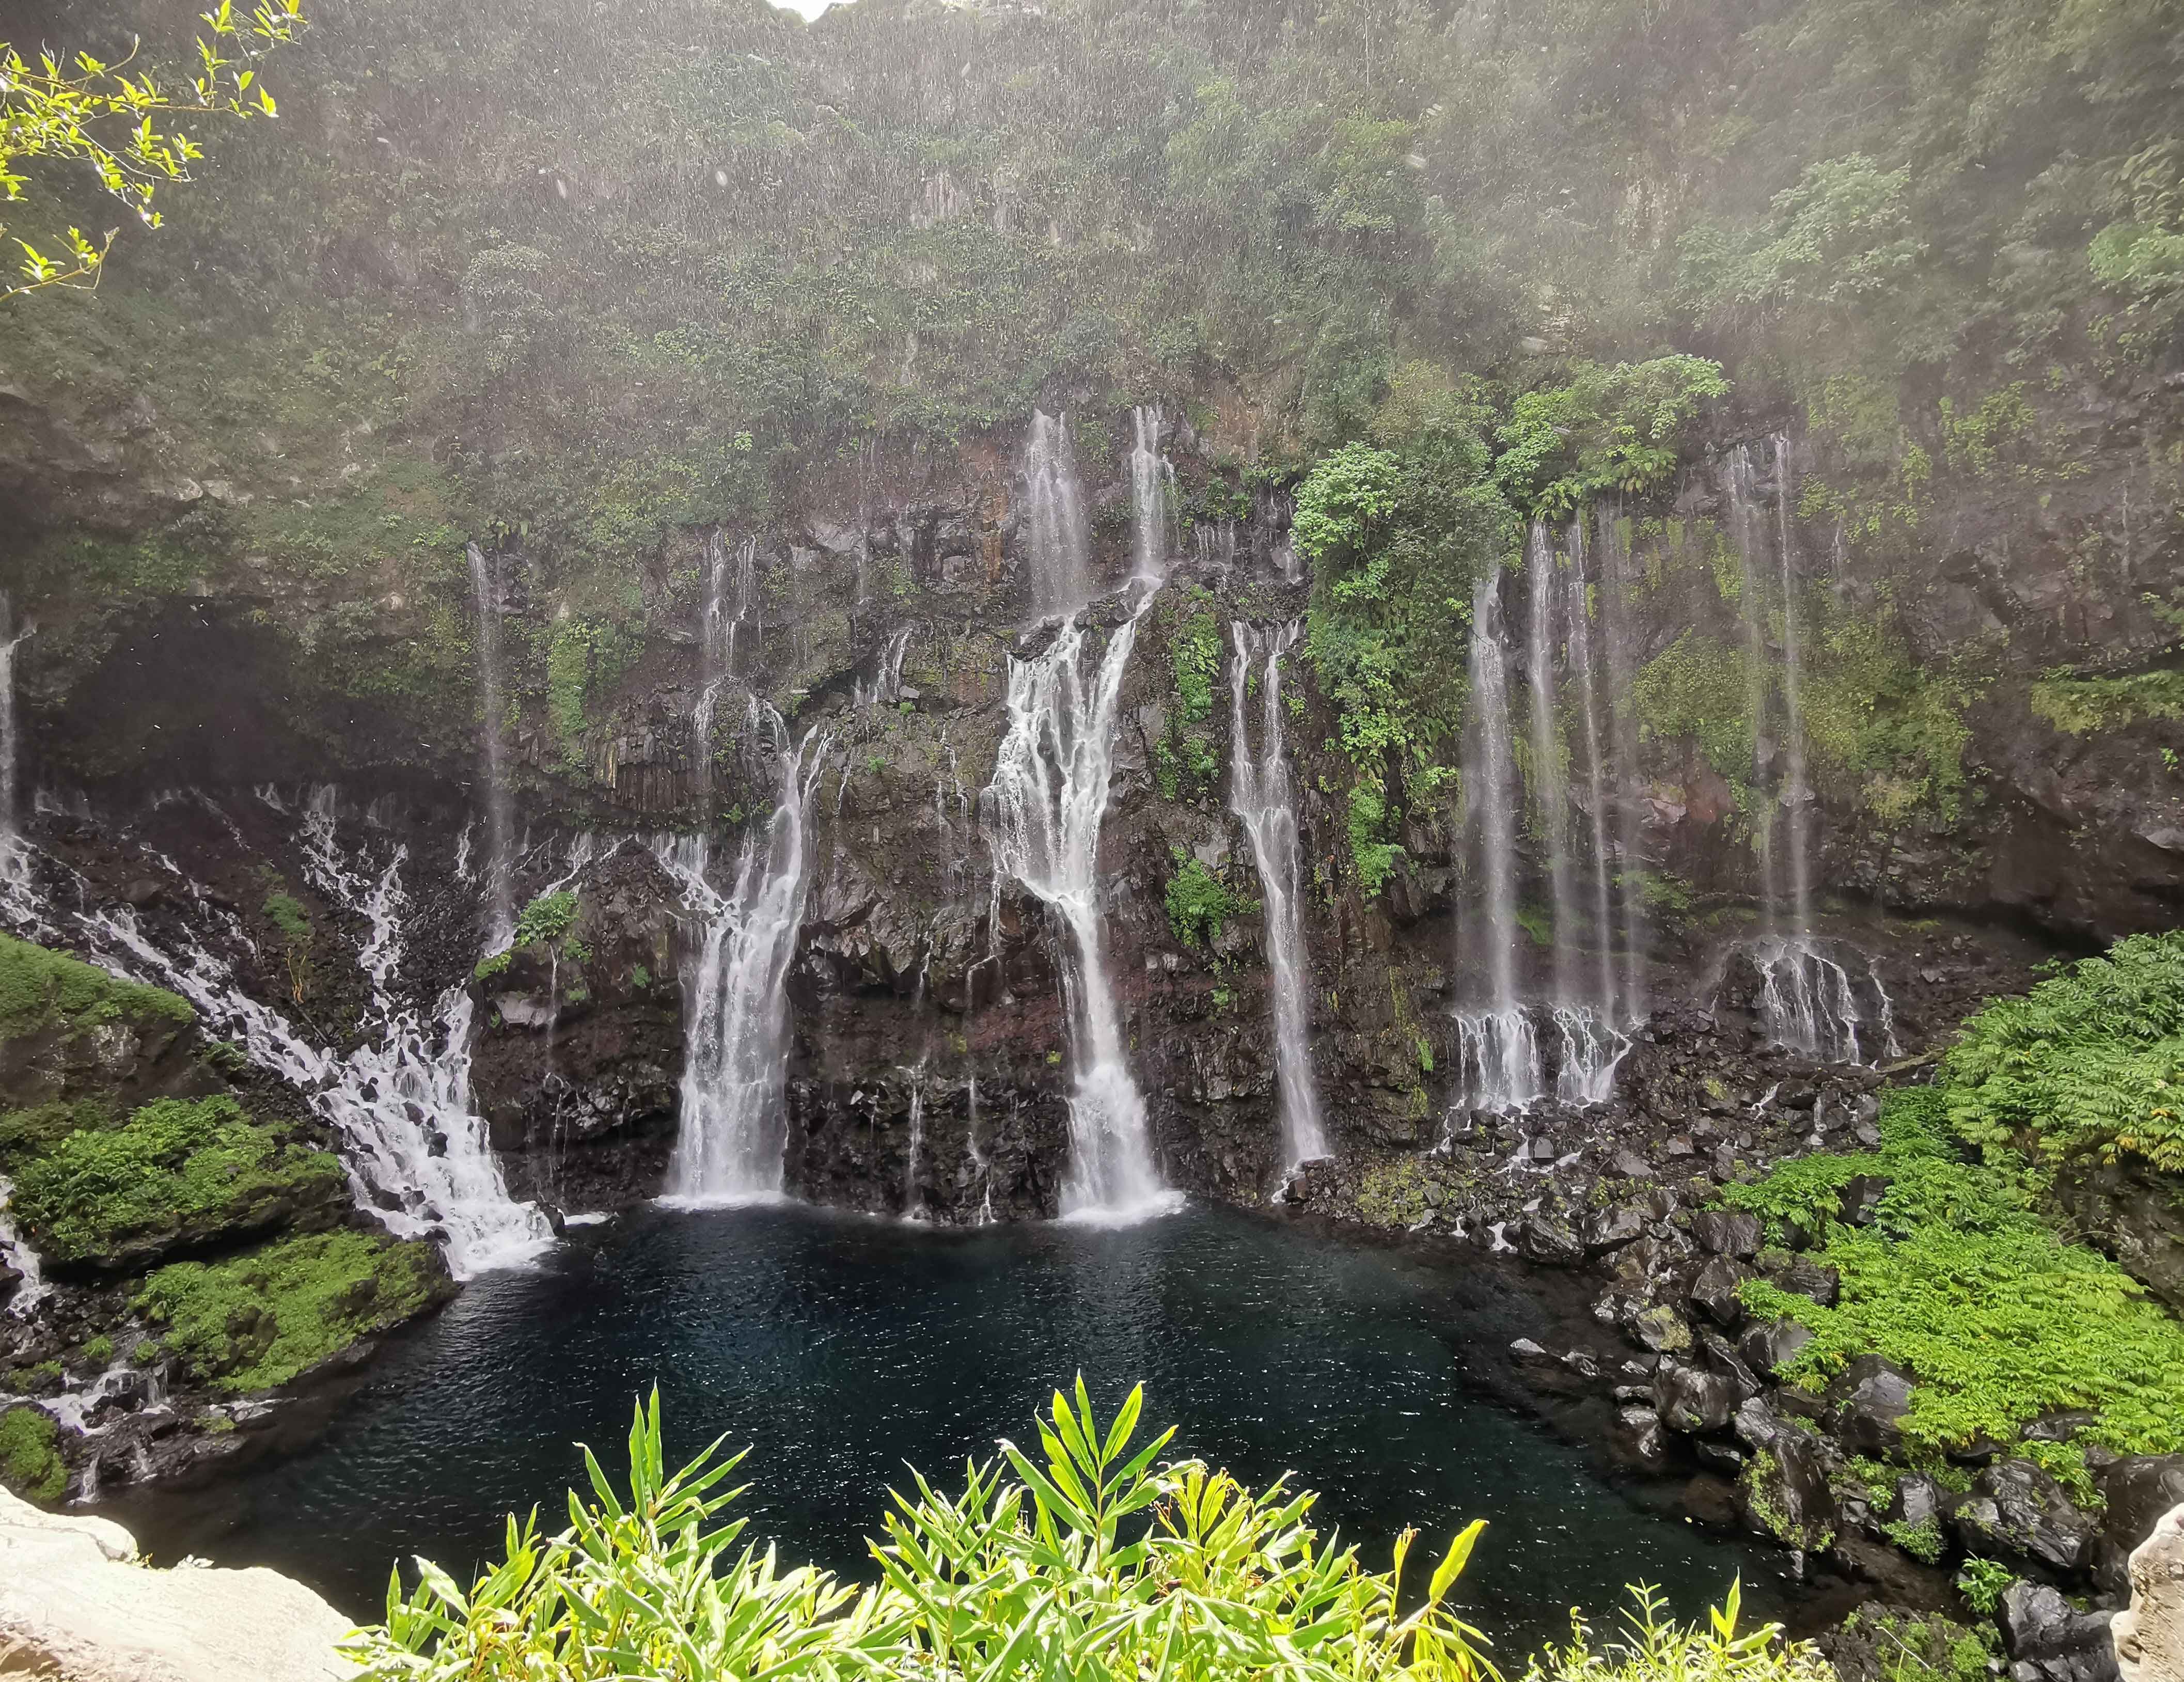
(1497, 1060)
(1261, 796)
(728, 1148)
(1044, 808)
(1588, 1052)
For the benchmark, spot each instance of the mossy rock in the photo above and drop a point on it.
(177, 1174)
(257, 1321)
(43, 991)
(30, 1461)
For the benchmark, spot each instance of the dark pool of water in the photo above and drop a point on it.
(841, 1348)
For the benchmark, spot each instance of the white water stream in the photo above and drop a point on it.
(1260, 795)
(1061, 545)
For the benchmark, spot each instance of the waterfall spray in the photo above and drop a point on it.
(1260, 795)
(499, 821)
(729, 1148)
(1550, 778)
(1152, 481)
(1061, 548)
(1623, 735)
(1043, 811)
(1498, 1050)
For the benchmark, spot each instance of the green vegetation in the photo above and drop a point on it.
(43, 991)
(1981, 1582)
(1199, 903)
(2091, 1061)
(174, 1172)
(30, 1461)
(252, 1322)
(1194, 653)
(292, 928)
(1086, 1559)
(1931, 1649)
(2085, 706)
(1959, 1280)
(79, 110)
(546, 919)
(1602, 431)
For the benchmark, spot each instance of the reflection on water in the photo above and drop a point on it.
(841, 1348)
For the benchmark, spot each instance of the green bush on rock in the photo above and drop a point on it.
(254, 1321)
(175, 1171)
(41, 990)
(30, 1461)
(1087, 1561)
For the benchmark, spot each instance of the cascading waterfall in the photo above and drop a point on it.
(416, 1154)
(14, 856)
(913, 1186)
(887, 679)
(1497, 1048)
(1615, 624)
(1060, 546)
(499, 817)
(1808, 1000)
(1550, 775)
(729, 1148)
(1592, 1045)
(1261, 796)
(716, 646)
(1042, 812)
(1152, 482)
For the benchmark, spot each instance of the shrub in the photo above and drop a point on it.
(252, 1322)
(1958, 1279)
(175, 1170)
(2091, 1061)
(1199, 903)
(30, 1461)
(1089, 1561)
(1656, 1649)
(546, 918)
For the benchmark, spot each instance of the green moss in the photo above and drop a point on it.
(1199, 903)
(495, 964)
(175, 1171)
(1195, 654)
(98, 1351)
(547, 918)
(2086, 706)
(30, 1461)
(258, 1320)
(1695, 690)
(40, 990)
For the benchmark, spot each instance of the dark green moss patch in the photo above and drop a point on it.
(30, 1455)
(41, 990)
(256, 1320)
(175, 1172)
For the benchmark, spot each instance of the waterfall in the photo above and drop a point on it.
(1261, 796)
(1579, 619)
(1616, 624)
(1152, 480)
(14, 856)
(1043, 812)
(1550, 778)
(736, 1057)
(913, 1191)
(30, 1286)
(1061, 548)
(417, 1156)
(499, 866)
(887, 679)
(1497, 1049)
(1808, 1000)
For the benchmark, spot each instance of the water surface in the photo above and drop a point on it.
(840, 1348)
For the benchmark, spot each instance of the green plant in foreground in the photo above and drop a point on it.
(1981, 1581)
(1088, 1561)
(1657, 1649)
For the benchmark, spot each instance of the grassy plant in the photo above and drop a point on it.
(1084, 1561)
(1199, 905)
(1656, 1649)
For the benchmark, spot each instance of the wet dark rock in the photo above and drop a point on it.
(2137, 1489)
(1870, 1397)
(1860, 1198)
(1766, 1348)
(1691, 1400)
(2048, 1637)
(1808, 1278)
(1549, 1241)
(1784, 1487)
(1714, 1291)
(1613, 1227)
(2017, 1512)
(1728, 1231)
(1639, 1428)
(1661, 1329)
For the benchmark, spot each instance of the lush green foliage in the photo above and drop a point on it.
(80, 111)
(43, 991)
(1957, 1278)
(2085, 706)
(254, 1321)
(2091, 1061)
(1605, 430)
(30, 1455)
(1654, 1648)
(1200, 903)
(1088, 1562)
(175, 1171)
(1193, 654)
(546, 919)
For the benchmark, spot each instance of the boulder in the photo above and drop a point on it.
(1767, 1348)
(1546, 1239)
(1860, 1198)
(74, 1603)
(2043, 1633)
(2017, 1512)
(1613, 1227)
(1808, 1277)
(1728, 1231)
(2149, 1634)
(1640, 1429)
(2137, 1490)
(1870, 1397)
(1691, 1400)
(1660, 1329)
(1714, 1292)
(1785, 1485)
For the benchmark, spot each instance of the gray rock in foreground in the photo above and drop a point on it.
(76, 1602)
